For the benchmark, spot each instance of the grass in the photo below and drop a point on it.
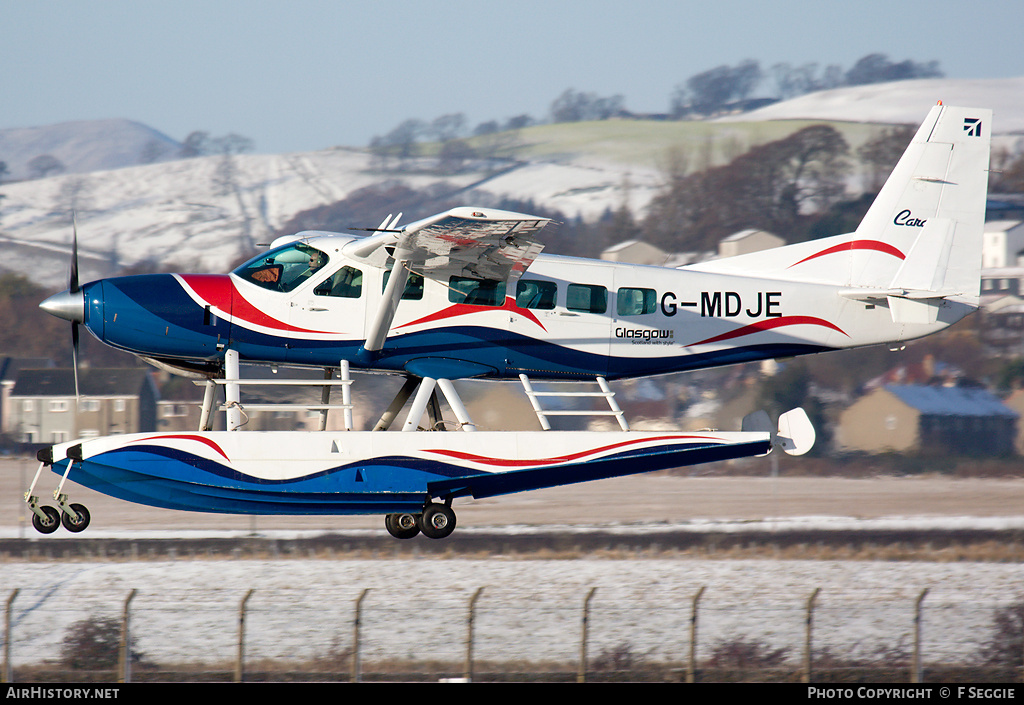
(646, 143)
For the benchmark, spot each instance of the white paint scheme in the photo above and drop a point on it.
(910, 269)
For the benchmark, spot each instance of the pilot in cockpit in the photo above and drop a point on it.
(285, 268)
(316, 261)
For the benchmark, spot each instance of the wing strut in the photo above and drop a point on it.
(467, 242)
(381, 324)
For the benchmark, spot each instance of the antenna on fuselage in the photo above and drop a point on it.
(387, 226)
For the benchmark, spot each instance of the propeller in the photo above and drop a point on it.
(73, 288)
(70, 304)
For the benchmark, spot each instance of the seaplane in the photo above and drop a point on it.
(468, 294)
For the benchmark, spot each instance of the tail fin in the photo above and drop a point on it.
(920, 240)
(924, 230)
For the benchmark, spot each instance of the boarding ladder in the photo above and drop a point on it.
(543, 414)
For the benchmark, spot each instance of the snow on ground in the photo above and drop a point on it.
(529, 609)
(186, 610)
(902, 102)
(187, 212)
(771, 524)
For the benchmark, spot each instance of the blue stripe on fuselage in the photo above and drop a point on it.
(153, 315)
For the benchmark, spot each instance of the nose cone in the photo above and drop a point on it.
(68, 305)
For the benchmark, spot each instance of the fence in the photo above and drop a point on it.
(509, 633)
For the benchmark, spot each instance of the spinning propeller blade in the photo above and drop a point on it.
(73, 288)
(74, 355)
(73, 279)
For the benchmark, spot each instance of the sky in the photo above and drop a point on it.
(311, 74)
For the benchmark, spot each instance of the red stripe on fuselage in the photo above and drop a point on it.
(875, 245)
(465, 309)
(770, 323)
(220, 292)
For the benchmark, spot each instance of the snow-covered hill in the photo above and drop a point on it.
(905, 102)
(186, 213)
(84, 146)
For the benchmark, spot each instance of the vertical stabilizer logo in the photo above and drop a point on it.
(972, 126)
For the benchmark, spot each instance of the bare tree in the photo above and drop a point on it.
(576, 106)
(770, 187)
(453, 156)
(447, 127)
(196, 144)
(713, 90)
(1007, 174)
(791, 81)
(401, 143)
(880, 154)
(45, 165)
(876, 68)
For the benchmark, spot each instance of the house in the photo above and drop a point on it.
(1001, 325)
(1016, 402)
(1004, 206)
(910, 418)
(741, 243)
(1002, 243)
(111, 401)
(9, 369)
(635, 252)
(746, 241)
(1001, 281)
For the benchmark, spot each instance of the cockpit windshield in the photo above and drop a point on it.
(284, 268)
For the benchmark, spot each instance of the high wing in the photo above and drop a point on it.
(488, 244)
(483, 244)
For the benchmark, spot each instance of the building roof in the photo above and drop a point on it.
(951, 401)
(996, 226)
(743, 234)
(95, 382)
(10, 366)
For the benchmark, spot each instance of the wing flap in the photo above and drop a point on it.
(472, 242)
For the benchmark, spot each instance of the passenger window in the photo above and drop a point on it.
(346, 283)
(531, 293)
(476, 292)
(589, 298)
(413, 286)
(635, 302)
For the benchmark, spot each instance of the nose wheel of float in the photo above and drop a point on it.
(46, 519)
(436, 522)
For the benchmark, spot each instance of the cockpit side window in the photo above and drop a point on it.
(284, 268)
